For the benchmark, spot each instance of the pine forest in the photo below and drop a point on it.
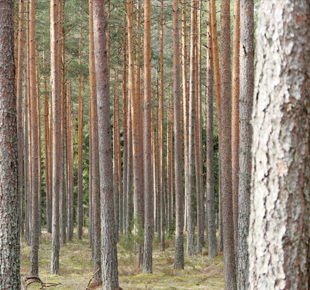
(155, 144)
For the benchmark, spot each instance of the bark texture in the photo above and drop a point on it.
(226, 188)
(211, 228)
(279, 220)
(148, 177)
(108, 239)
(9, 197)
(245, 161)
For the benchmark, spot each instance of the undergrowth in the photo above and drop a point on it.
(76, 267)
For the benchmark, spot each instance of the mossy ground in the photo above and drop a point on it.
(76, 267)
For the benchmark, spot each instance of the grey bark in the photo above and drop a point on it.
(108, 239)
(279, 220)
(9, 201)
(245, 133)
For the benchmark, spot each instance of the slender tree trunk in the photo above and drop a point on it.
(185, 107)
(50, 212)
(34, 262)
(235, 121)
(109, 247)
(115, 152)
(19, 94)
(169, 177)
(178, 167)
(246, 131)
(80, 148)
(125, 150)
(191, 185)
(279, 220)
(228, 226)
(211, 227)
(161, 132)
(148, 196)
(95, 149)
(9, 204)
(56, 136)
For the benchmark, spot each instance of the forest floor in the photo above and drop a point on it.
(76, 267)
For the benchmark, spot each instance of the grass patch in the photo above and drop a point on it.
(76, 267)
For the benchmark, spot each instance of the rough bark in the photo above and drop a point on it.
(109, 247)
(19, 94)
(148, 192)
(228, 226)
(178, 167)
(279, 220)
(95, 152)
(191, 155)
(34, 262)
(211, 228)
(56, 136)
(245, 161)
(9, 201)
(235, 121)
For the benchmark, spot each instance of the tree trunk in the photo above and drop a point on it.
(125, 149)
(80, 148)
(211, 227)
(246, 131)
(19, 94)
(148, 192)
(191, 185)
(161, 132)
(109, 247)
(56, 136)
(235, 122)
(178, 166)
(226, 184)
(95, 150)
(279, 220)
(34, 262)
(9, 204)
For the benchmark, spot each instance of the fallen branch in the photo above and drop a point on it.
(34, 279)
(92, 277)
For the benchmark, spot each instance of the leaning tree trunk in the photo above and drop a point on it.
(9, 202)
(280, 216)
(109, 249)
(245, 162)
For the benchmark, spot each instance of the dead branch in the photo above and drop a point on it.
(34, 279)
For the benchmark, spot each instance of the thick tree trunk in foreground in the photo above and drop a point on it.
(211, 228)
(108, 239)
(279, 220)
(228, 226)
(178, 168)
(56, 136)
(9, 202)
(245, 160)
(148, 186)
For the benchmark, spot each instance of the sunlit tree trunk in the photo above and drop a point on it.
(109, 247)
(178, 166)
(279, 220)
(148, 192)
(9, 204)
